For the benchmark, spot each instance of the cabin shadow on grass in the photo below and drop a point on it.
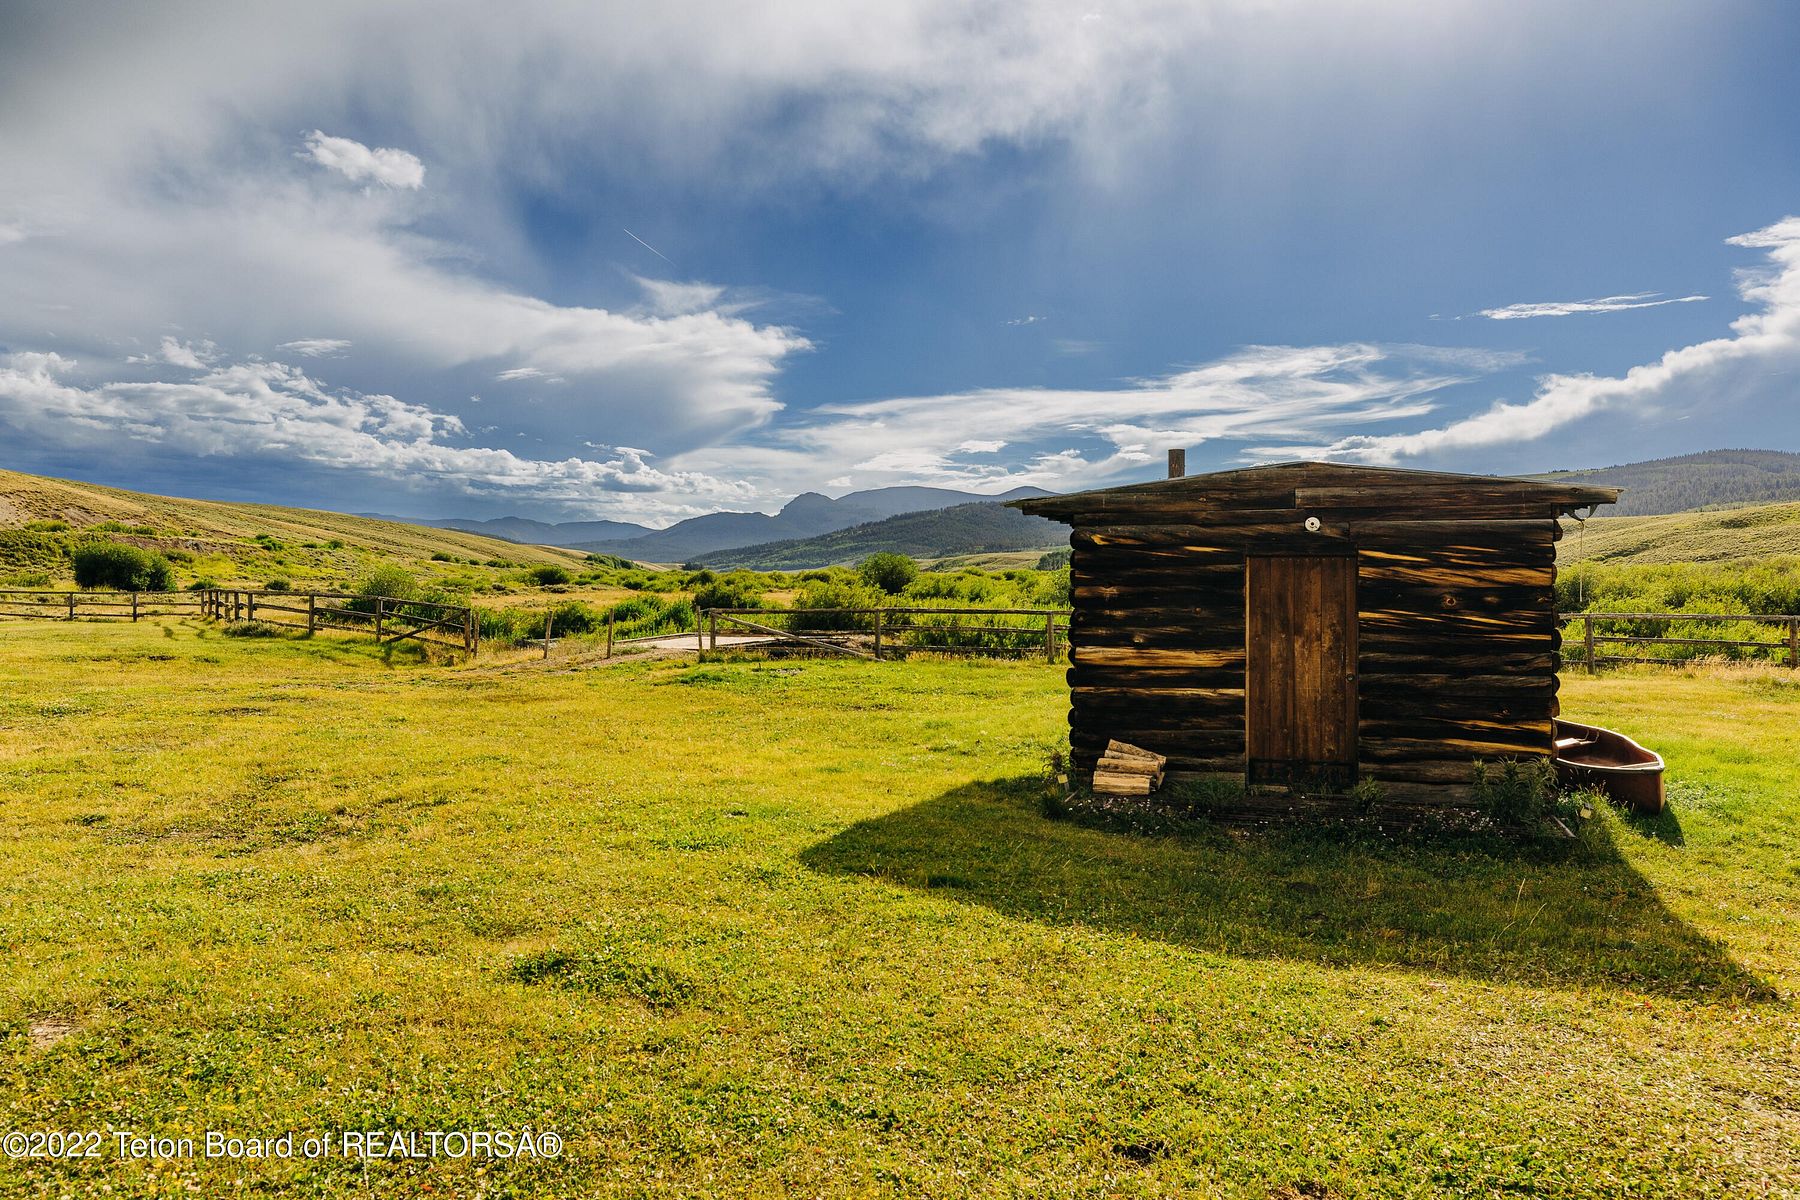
(1560, 915)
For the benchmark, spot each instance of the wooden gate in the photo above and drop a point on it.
(1300, 671)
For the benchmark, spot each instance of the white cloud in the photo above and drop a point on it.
(1567, 308)
(1701, 379)
(317, 347)
(271, 411)
(518, 373)
(193, 355)
(356, 162)
(670, 299)
(1260, 391)
(977, 446)
(1027, 320)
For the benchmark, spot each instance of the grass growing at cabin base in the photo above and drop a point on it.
(799, 929)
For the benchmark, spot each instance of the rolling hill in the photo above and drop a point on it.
(231, 543)
(1753, 533)
(1711, 479)
(805, 516)
(962, 530)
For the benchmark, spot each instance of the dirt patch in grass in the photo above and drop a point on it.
(45, 1032)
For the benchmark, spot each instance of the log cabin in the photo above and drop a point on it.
(1303, 627)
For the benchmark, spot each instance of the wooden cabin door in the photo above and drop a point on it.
(1300, 671)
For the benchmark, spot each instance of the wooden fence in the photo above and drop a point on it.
(895, 632)
(114, 606)
(1600, 629)
(389, 620)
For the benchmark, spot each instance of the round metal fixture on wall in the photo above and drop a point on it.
(1312, 524)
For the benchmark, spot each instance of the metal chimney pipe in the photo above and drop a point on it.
(1177, 463)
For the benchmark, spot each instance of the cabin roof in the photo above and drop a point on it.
(1315, 486)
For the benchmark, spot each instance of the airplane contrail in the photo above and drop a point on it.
(646, 245)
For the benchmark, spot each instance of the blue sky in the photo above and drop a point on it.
(578, 260)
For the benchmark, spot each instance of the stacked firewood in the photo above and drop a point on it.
(1126, 770)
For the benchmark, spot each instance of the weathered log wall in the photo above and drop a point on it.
(1457, 639)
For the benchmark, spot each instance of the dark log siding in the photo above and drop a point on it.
(1456, 627)
(1157, 655)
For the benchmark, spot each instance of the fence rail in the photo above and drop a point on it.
(388, 619)
(895, 632)
(1652, 629)
(115, 606)
(876, 633)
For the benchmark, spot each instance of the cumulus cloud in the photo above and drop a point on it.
(1569, 308)
(194, 356)
(317, 347)
(1737, 370)
(272, 411)
(358, 163)
(671, 299)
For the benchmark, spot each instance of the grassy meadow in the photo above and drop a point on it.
(800, 928)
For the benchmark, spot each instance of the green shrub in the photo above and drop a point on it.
(440, 556)
(1516, 792)
(549, 575)
(575, 618)
(44, 551)
(278, 585)
(394, 582)
(838, 594)
(27, 579)
(335, 544)
(739, 589)
(49, 526)
(888, 571)
(128, 568)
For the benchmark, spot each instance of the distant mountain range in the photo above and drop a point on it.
(807, 515)
(814, 530)
(964, 529)
(1711, 479)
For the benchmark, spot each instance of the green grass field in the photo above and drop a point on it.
(799, 929)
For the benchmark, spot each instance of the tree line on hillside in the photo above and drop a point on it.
(1711, 479)
(965, 529)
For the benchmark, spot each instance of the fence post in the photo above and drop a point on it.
(380, 617)
(699, 635)
(71, 606)
(1794, 642)
(712, 625)
(134, 606)
(250, 603)
(549, 621)
(1050, 637)
(1587, 621)
(880, 620)
(609, 634)
(312, 613)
